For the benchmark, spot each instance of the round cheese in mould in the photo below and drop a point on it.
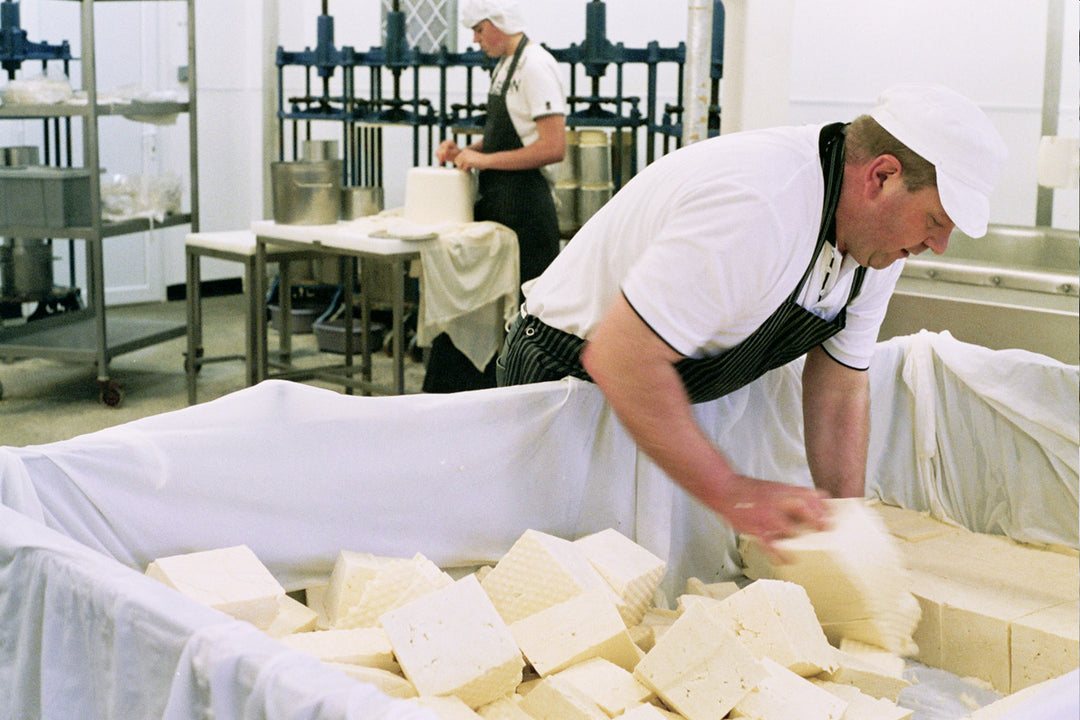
(435, 195)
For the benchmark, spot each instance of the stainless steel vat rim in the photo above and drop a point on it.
(985, 274)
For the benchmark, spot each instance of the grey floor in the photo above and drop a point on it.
(46, 400)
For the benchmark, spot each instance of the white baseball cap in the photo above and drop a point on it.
(503, 14)
(955, 136)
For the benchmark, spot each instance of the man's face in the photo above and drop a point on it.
(491, 39)
(897, 224)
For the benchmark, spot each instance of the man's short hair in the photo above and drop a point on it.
(866, 140)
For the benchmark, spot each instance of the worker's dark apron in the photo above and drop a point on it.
(534, 352)
(519, 199)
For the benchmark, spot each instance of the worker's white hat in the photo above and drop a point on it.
(503, 14)
(956, 137)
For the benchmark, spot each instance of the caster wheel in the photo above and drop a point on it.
(111, 394)
(197, 362)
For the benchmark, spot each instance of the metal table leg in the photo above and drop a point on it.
(258, 290)
(398, 270)
(194, 323)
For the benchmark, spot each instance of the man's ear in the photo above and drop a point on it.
(880, 169)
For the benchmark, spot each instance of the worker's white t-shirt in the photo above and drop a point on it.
(707, 242)
(535, 91)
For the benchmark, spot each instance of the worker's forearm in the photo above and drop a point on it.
(650, 402)
(836, 418)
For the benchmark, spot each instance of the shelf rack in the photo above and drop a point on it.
(85, 334)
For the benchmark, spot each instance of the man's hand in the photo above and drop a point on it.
(469, 159)
(447, 151)
(771, 511)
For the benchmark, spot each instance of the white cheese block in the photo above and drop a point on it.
(231, 580)
(783, 695)
(351, 574)
(911, 525)
(887, 662)
(585, 626)
(685, 601)
(861, 706)
(973, 588)
(554, 699)
(394, 584)
(854, 574)
(660, 619)
(775, 620)
(633, 572)
(605, 683)
(293, 617)
(356, 646)
(869, 677)
(538, 571)
(315, 597)
(446, 707)
(653, 626)
(1003, 708)
(435, 195)
(505, 708)
(643, 637)
(699, 667)
(529, 683)
(453, 642)
(1044, 644)
(388, 683)
(717, 591)
(649, 712)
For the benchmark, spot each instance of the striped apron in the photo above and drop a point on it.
(535, 352)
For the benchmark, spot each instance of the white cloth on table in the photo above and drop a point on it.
(469, 281)
(470, 288)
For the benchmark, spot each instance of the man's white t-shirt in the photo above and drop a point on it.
(707, 242)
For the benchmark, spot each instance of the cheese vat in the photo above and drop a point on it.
(299, 473)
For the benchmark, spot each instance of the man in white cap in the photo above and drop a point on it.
(736, 255)
(525, 131)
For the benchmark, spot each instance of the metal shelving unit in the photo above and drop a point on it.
(86, 334)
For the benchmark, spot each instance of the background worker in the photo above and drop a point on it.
(524, 132)
(738, 254)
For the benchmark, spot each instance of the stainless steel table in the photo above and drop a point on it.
(352, 248)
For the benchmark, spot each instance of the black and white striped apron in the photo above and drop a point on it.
(535, 352)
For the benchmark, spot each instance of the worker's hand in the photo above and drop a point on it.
(772, 511)
(447, 151)
(468, 159)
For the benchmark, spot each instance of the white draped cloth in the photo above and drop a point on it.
(988, 439)
(469, 277)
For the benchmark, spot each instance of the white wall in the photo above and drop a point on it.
(844, 52)
(991, 50)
